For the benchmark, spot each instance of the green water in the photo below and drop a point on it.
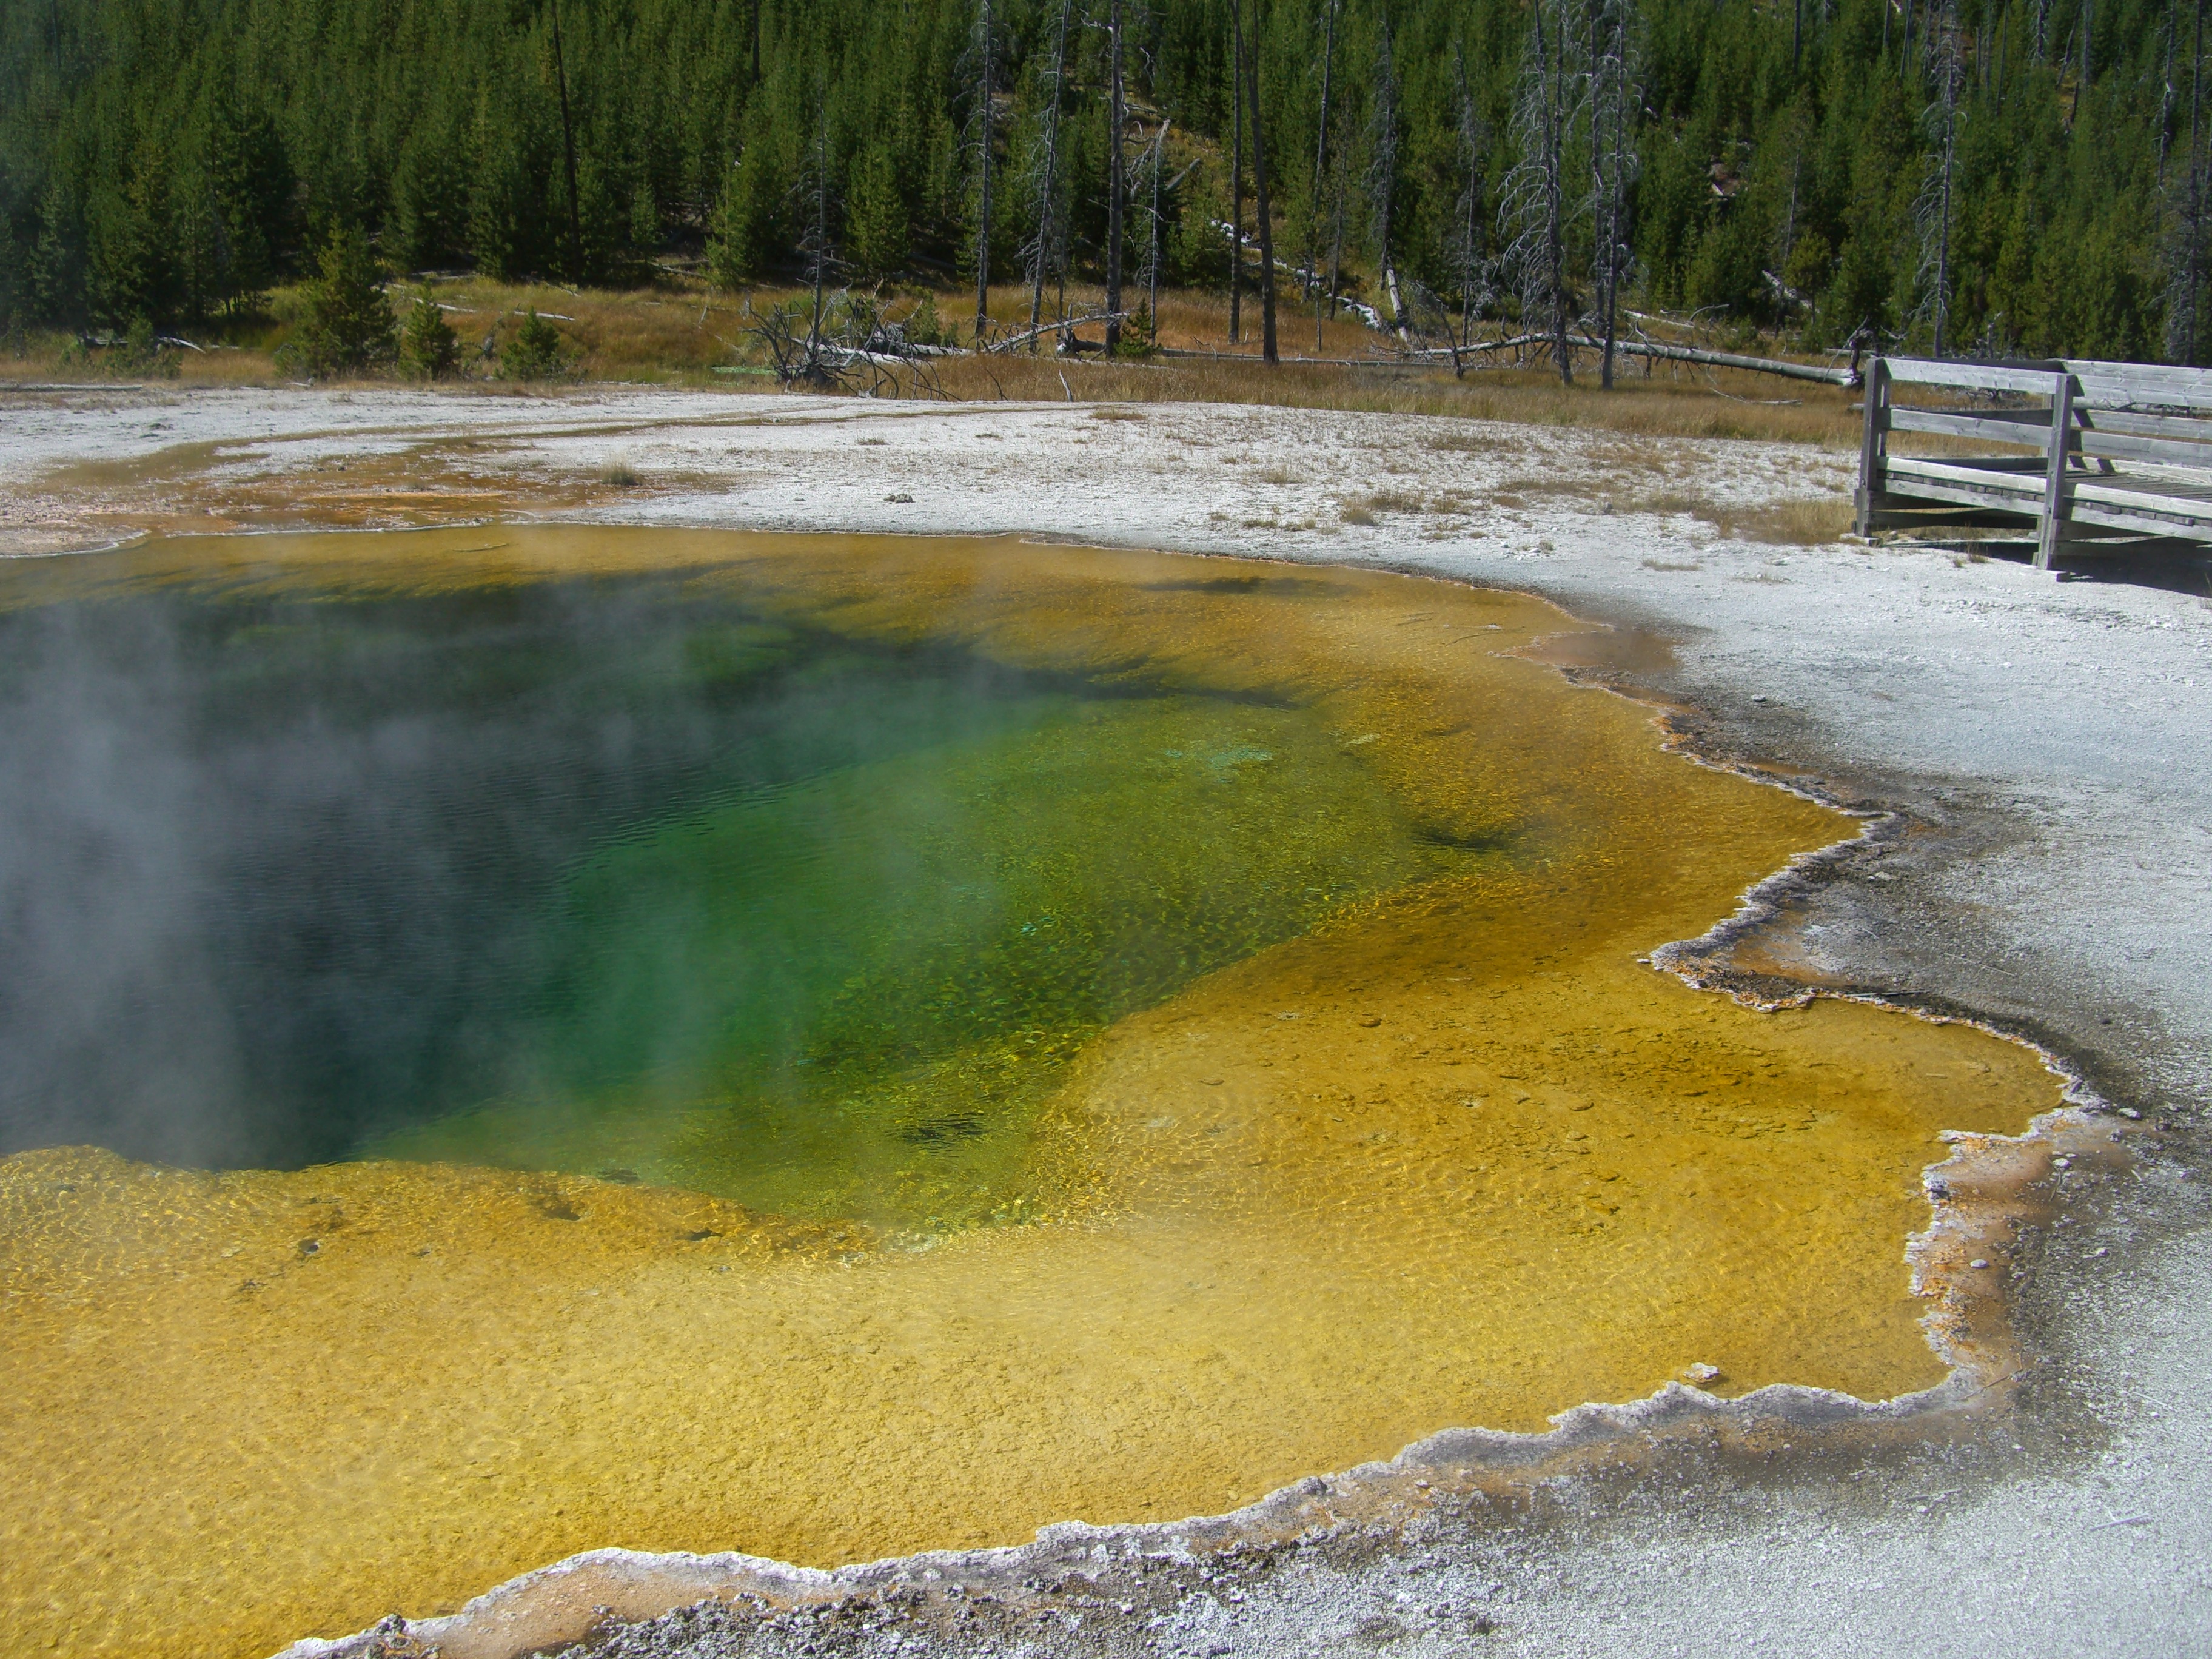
(848, 997)
(624, 877)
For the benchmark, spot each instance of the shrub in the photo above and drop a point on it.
(1140, 334)
(428, 349)
(535, 352)
(140, 351)
(923, 326)
(349, 325)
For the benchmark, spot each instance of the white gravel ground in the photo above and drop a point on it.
(2052, 738)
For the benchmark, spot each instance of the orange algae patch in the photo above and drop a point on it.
(1454, 1157)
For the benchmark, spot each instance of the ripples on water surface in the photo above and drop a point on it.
(828, 1048)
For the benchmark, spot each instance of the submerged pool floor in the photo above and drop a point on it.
(1190, 1036)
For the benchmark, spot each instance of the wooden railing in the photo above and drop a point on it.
(2121, 452)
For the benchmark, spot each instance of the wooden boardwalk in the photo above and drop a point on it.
(2120, 454)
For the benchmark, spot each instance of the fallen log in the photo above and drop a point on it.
(1847, 377)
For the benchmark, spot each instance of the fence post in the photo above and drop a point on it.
(1873, 441)
(2054, 484)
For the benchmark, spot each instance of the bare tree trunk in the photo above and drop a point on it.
(1236, 172)
(1470, 140)
(1267, 347)
(2193, 223)
(1153, 254)
(1382, 173)
(1335, 242)
(1467, 255)
(1612, 161)
(983, 206)
(1049, 197)
(2165, 98)
(1321, 173)
(2089, 21)
(1949, 68)
(818, 253)
(569, 154)
(1555, 252)
(1534, 204)
(1116, 180)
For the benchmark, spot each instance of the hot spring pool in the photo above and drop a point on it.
(524, 1039)
(627, 876)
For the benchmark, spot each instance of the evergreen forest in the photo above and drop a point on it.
(1986, 177)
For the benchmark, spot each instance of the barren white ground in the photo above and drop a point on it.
(2075, 717)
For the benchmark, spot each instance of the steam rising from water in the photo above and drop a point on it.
(618, 876)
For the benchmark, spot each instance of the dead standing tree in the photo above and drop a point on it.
(2185, 263)
(986, 93)
(1153, 170)
(1534, 208)
(1117, 182)
(1321, 175)
(1268, 351)
(1236, 172)
(1466, 251)
(816, 246)
(1048, 251)
(1382, 173)
(1614, 106)
(568, 153)
(1933, 208)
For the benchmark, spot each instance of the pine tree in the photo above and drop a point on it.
(428, 348)
(348, 325)
(535, 351)
(876, 242)
(168, 173)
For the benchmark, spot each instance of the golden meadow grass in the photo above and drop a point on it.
(680, 333)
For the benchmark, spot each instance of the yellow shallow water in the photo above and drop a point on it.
(1455, 1158)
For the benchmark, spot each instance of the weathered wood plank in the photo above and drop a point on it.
(2003, 473)
(2027, 428)
(1874, 438)
(2125, 391)
(2088, 487)
(1977, 495)
(2032, 427)
(1926, 516)
(1979, 377)
(2164, 452)
(2054, 493)
(2145, 426)
(2146, 520)
(2107, 382)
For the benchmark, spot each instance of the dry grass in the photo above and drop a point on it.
(1787, 524)
(1800, 523)
(1394, 500)
(682, 333)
